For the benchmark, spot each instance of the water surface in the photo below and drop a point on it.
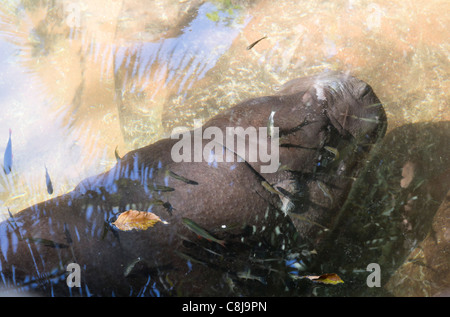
(80, 79)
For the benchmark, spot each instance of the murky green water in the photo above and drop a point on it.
(79, 79)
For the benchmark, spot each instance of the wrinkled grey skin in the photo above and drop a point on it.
(330, 109)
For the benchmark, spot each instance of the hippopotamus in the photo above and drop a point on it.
(222, 220)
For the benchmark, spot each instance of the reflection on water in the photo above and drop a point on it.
(79, 79)
(146, 73)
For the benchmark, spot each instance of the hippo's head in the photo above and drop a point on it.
(351, 104)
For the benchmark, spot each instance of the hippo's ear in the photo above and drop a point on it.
(350, 104)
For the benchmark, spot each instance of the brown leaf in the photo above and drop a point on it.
(139, 220)
(328, 278)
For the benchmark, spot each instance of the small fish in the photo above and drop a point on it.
(7, 158)
(10, 214)
(287, 194)
(108, 227)
(212, 252)
(13, 224)
(160, 188)
(167, 205)
(270, 189)
(270, 124)
(48, 181)
(229, 282)
(248, 276)
(325, 190)
(302, 218)
(194, 227)
(288, 145)
(257, 260)
(333, 151)
(47, 243)
(157, 202)
(130, 266)
(67, 234)
(419, 183)
(116, 154)
(181, 178)
(328, 278)
(283, 168)
(256, 42)
(188, 257)
(366, 119)
(169, 281)
(378, 104)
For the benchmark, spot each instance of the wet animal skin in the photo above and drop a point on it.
(231, 200)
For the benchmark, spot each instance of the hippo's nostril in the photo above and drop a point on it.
(363, 90)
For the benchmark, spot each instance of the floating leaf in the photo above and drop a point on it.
(328, 278)
(139, 220)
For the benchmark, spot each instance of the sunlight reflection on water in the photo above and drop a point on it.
(50, 127)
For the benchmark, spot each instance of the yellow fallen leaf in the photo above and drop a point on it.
(328, 278)
(139, 220)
